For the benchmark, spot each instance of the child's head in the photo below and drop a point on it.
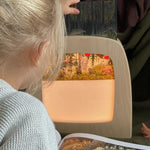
(31, 38)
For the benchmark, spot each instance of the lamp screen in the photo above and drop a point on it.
(83, 91)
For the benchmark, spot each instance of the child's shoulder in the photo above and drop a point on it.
(22, 103)
(13, 102)
(23, 114)
(28, 101)
(21, 106)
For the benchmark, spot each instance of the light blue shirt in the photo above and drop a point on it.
(24, 122)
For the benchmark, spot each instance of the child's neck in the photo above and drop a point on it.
(10, 81)
(13, 75)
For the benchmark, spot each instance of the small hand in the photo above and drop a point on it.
(145, 130)
(67, 9)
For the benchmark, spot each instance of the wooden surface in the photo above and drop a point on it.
(121, 126)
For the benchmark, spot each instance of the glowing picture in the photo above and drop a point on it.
(85, 66)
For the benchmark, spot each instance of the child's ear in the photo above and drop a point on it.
(36, 53)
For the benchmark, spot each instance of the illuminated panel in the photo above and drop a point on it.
(84, 90)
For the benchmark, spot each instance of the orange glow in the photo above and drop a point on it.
(80, 101)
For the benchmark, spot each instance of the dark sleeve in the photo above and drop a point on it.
(130, 12)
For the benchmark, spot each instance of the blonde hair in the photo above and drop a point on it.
(30, 22)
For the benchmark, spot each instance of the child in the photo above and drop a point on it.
(31, 39)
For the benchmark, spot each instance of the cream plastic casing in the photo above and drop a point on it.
(103, 101)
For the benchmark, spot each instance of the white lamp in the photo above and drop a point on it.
(98, 107)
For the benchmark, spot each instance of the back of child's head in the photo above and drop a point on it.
(25, 23)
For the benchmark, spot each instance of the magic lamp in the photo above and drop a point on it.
(95, 106)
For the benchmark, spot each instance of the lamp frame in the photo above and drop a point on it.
(121, 126)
